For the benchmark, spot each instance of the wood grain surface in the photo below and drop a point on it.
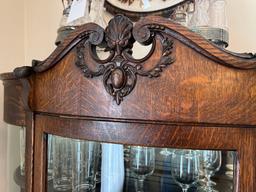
(14, 112)
(155, 135)
(193, 89)
(206, 99)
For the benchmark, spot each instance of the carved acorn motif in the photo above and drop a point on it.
(117, 78)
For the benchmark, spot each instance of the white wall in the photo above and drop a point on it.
(42, 19)
(28, 31)
(242, 25)
(11, 55)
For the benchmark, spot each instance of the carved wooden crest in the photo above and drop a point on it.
(120, 69)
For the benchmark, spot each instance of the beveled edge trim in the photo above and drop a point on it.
(142, 121)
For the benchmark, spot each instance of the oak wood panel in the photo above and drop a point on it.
(192, 89)
(176, 136)
(206, 99)
(247, 160)
(39, 171)
(14, 112)
(29, 152)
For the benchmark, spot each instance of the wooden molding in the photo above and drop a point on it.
(143, 27)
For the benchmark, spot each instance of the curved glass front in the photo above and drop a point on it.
(78, 166)
(13, 157)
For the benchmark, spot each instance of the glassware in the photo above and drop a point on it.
(181, 14)
(98, 163)
(66, 7)
(96, 14)
(218, 14)
(62, 164)
(85, 158)
(93, 12)
(50, 158)
(142, 164)
(200, 17)
(210, 21)
(185, 168)
(230, 167)
(22, 150)
(64, 27)
(210, 164)
(167, 152)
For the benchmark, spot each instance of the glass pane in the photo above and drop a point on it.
(13, 156)
(78, 166)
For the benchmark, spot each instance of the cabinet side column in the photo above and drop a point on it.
(246, 179)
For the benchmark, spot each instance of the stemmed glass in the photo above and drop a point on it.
(210, 164)
(167, 152)
(185, 168)
(142, 164)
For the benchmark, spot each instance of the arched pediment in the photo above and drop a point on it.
(184, 77)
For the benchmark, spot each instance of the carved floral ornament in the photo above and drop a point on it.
(120, 69)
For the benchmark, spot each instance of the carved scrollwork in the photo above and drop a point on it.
(120, 69)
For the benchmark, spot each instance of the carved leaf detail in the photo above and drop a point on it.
(120, 69)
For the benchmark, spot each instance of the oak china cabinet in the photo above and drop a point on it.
(96, 118)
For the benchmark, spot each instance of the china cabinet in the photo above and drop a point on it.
(186, 93)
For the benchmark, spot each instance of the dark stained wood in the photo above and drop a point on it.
(7, 76)
(141, 31)
(241, 140)
(120, 70)
(30, 152)
(39, 161)
(23, 71)
(206, 99)
(192, 89)
(17, 112)
(14, 112)
(175, 30)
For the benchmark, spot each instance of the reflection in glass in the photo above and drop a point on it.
(22, 150)
(142, 164)
(210, 164)
(126, 168)
(98, 162)
(50, 157)
(62, 164)
(210, 21)
(167, 152)
(85, 154)
(185, 168)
